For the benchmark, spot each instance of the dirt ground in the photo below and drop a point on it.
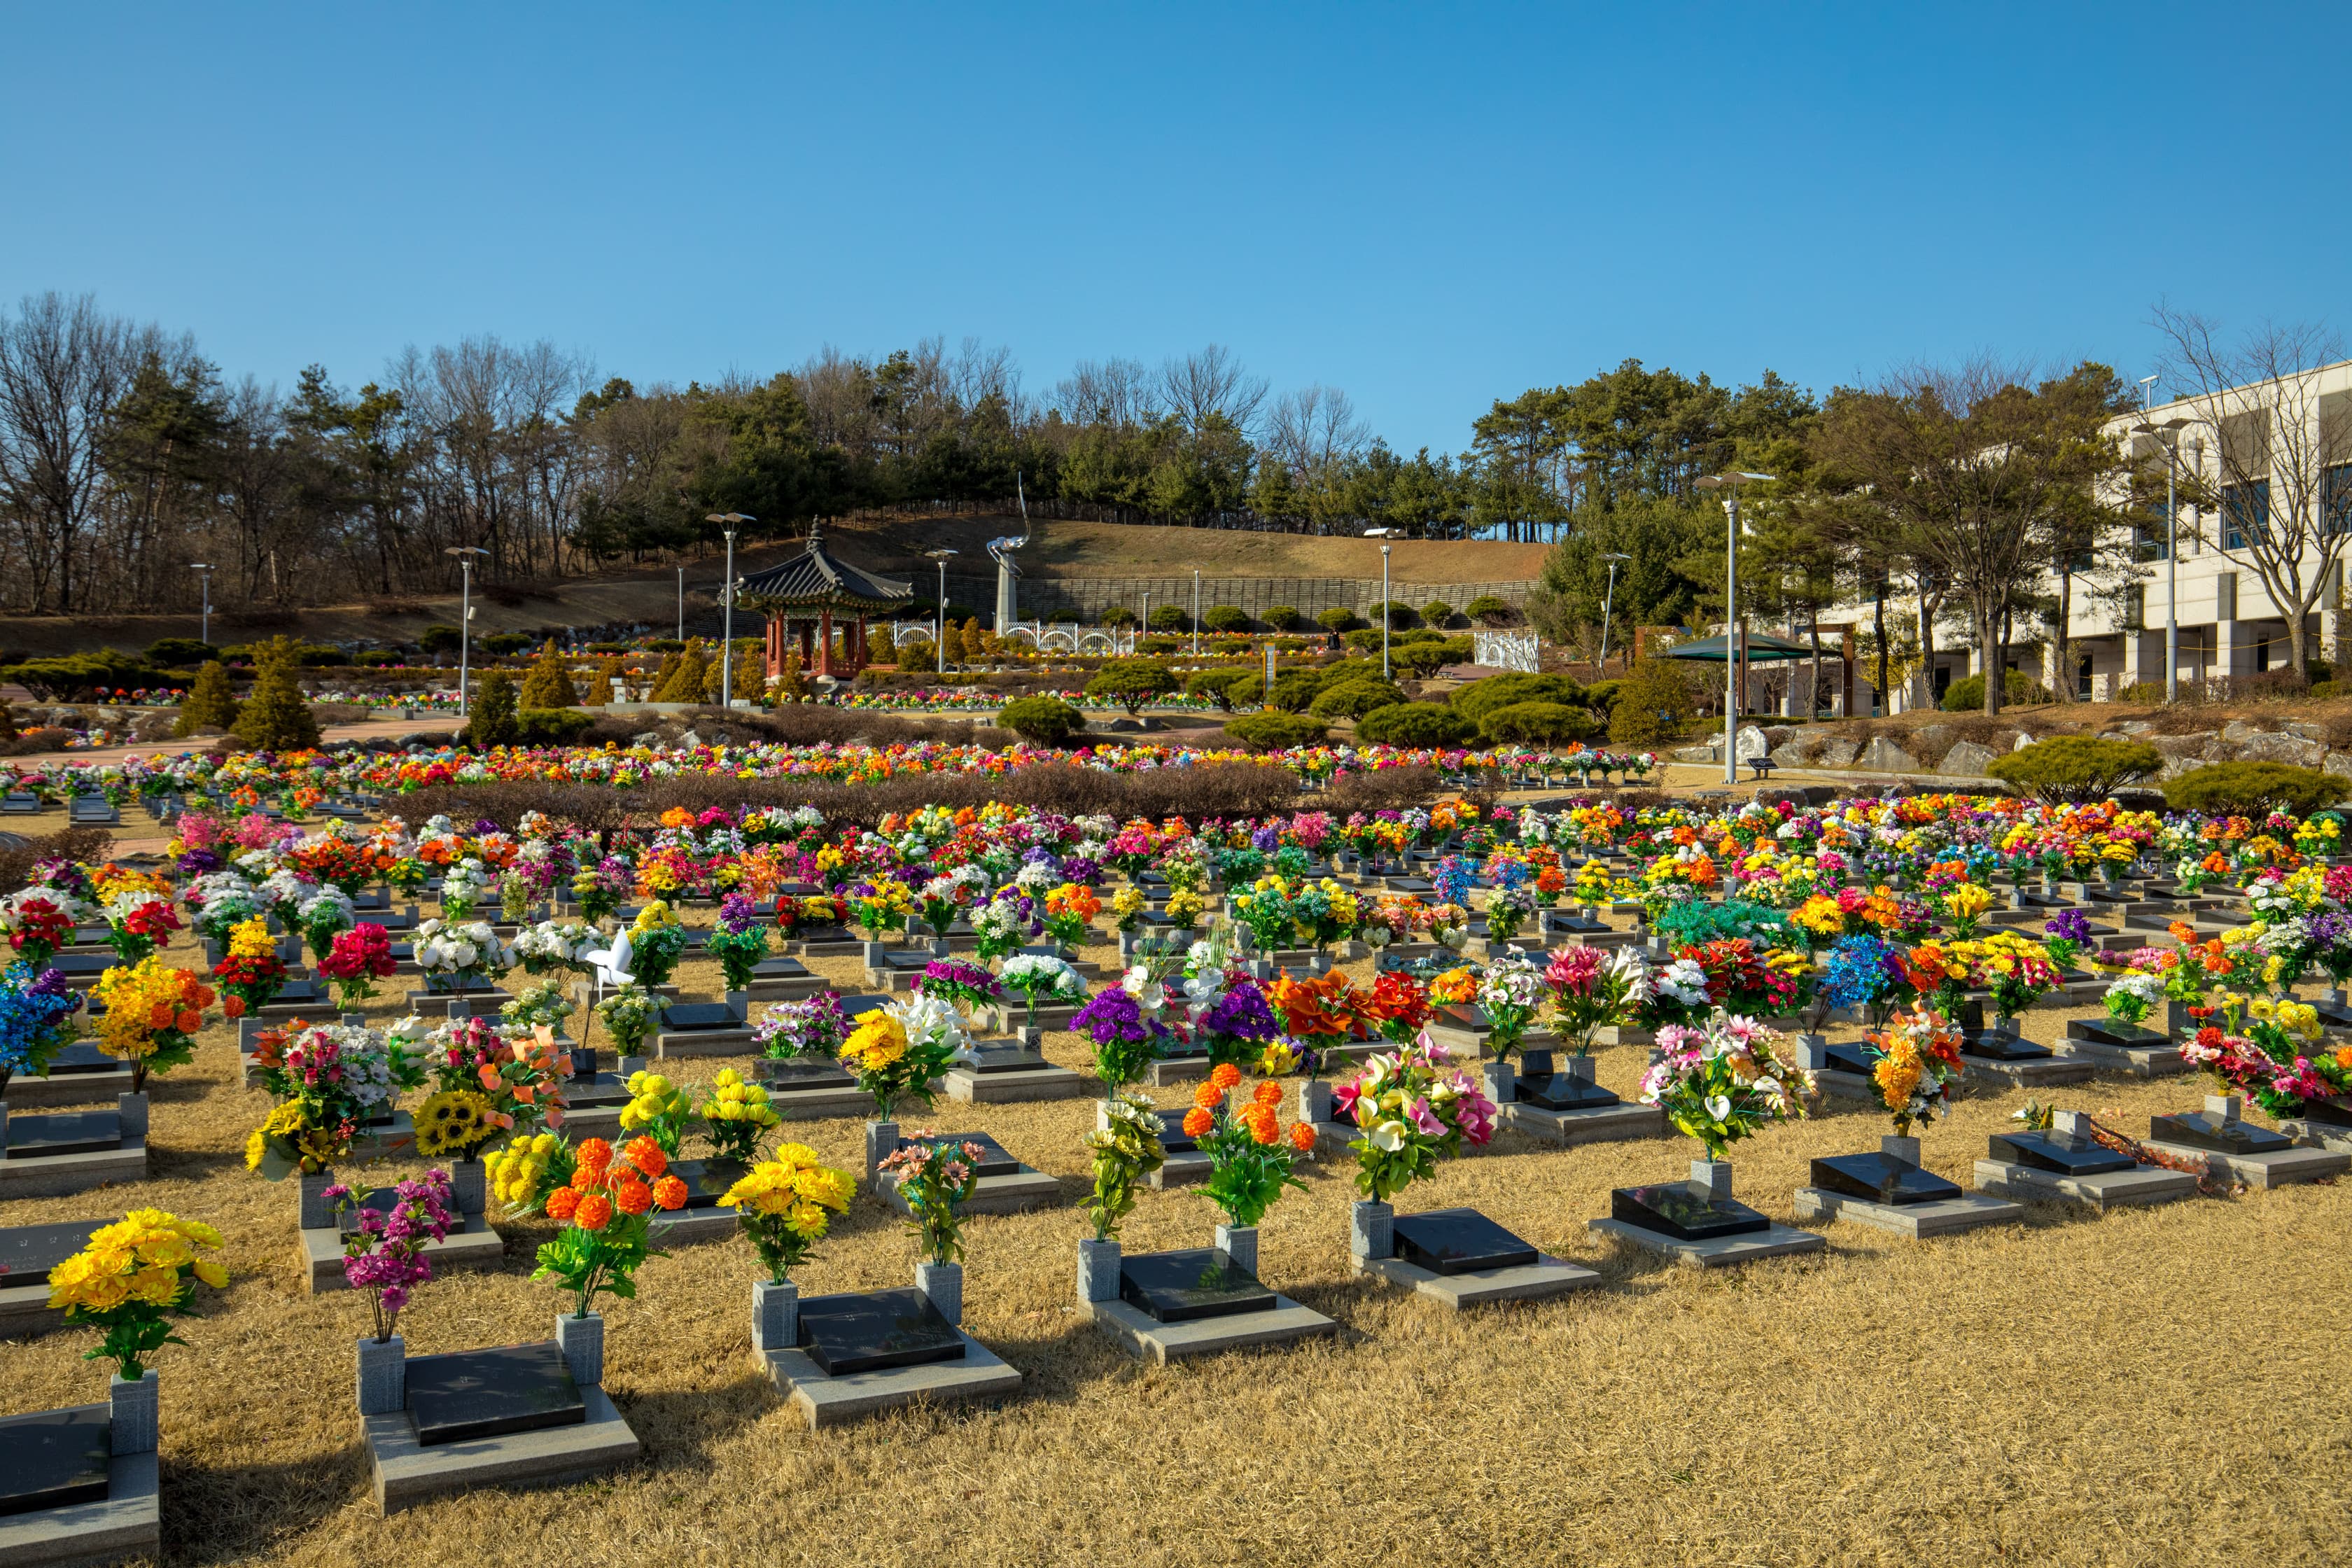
(2154, 1387)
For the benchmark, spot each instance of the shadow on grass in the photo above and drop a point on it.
(232, 1513)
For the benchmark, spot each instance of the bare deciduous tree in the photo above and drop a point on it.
(2274, 436)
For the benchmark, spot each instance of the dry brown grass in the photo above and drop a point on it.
(2160, 1387)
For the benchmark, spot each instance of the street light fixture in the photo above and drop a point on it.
(1608, 601)
(1384, 612)
(205, 636)
(733, 519)
(1731, 671)
(2167, 434)
(939, 629)
(1196, 608)
(681, 603)
(464, 554)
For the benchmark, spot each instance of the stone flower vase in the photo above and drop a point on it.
(1239, 1242)
(1371, 1229)
(135, 1410)
(315, 1213)
(775, 1315)
(1098, 1264)
(583, 1340)
(881, 1142)
(1502, 1082)
(1902, 1151)
(1710, 1178)
(469, 1186)
(383, 1374)
(942, 1285)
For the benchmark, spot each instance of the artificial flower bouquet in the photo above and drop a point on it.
(605, 1210)
(1411, 1110)
(1127, 908)
(1964, 904)
(38, 922)
(252, 974)
(1592, 990)
(2064, 936)
(1863, 974)
(934, 1179)
(526, 1171)
(735, 1115)
(1001, 925)
(1125, 1151)
(1509, 909)
(323, 916)
(785, 1204)
(1679, 994)
(1250, 1158)
(965, 986)
(357, 959)
(1725, 1081)
(151, 1017)
(2014, 970)
(879, 906)
(1228, 1011)
(486, 1081)
(814, 1026)
(1510, 993)
(555, 947)
(1915, 1067)
(1752, 981)
(1041, 976)
(738, 942)
(1396, 1005)
(2133, 996)
(36, 1011)
(130, 1278)
(329, 1079)
(1126, 1038)
(628, 1016)
(1186, 908)
(460, 953)
(658, 1110)
(385, 1255)
(900, 1048)
(547, 1003)
(1318, 1015)
(657, 943)
(1070, 910)
(139, 919)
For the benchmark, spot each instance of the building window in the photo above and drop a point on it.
(2082, 679)
(2335, 501)
(2245, 509)
(2135, 608)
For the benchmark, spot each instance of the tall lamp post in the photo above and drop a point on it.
(2167, 434)
(733, 519)
(940, 632)
(464, 554)
(1608, 601)
(1731, 671)
(1196, 612)
(205, 636)
(1384, 612)
(681, 603)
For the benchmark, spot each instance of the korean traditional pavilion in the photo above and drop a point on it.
(812, 588)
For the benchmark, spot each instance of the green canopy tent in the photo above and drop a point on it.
(1753, 647)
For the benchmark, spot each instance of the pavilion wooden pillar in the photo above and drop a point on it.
(777, 638)
(808, 645)
(824, 642)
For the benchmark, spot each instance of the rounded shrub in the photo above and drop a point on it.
(1282, 617)
(1275, 731)
(1217, 685)
(1416, 724)
(1354, 698)
(1041, 721)
(1336, 620)
(1295, 689)
(1171, 618)
(1437, 612)
(1654, 704)
(2017, 689)
(1396, 612)
(2254, 789)
(1481, 698)
(1131, 682)
(2072, 769)
(1489, 611)
(551, 726)
(1226, 618)
(1537, 724)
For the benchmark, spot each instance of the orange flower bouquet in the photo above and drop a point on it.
(607, 1208)
(1250, 1157)
(151, 1017)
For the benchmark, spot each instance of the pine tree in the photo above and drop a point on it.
(683, 684)
(790, 686)
(209, 704)
(277, 717)
(549, 684)
(492, 722)
(600, 684)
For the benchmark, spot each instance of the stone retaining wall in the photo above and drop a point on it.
(2295, 742)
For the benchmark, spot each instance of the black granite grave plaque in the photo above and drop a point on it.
(27, 1252)
(707, 1181)
(1679, 1210)
(467, 1395)
(64, 1132)
(55, 1458)
(1995, 1044)
(1173, 1139)
(2202, 1129)
(83, 1057)
(2068, 1154)
(1458, 1241)
(2328, 1113)
(1198, 1282)
(799, 1074)
(691, 1015)
(2112, 1032)
(1877, 1179)
(1006, 1059)
(875, 1330)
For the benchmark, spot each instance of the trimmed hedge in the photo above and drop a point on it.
(2016, 691)
(2254, 789)
(1480, 698)
(1275, 731)
(1041, 721)
(1416, 724)
(2072, 769)
(1537, 723)
(1354, 698)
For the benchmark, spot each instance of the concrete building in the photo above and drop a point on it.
(2286, 441)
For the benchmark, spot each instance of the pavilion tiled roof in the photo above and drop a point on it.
(815, 580)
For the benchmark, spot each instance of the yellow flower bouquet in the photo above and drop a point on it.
(130, 1278)
(785, 1204)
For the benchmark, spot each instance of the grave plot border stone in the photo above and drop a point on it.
(2098, 1191)
(126, 1522)
(2261, 1171)
(1916, 1221)
(1714, 1178)
(1546, 1277)
(58, 1175)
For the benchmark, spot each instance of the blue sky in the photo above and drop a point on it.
(1428, 206)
